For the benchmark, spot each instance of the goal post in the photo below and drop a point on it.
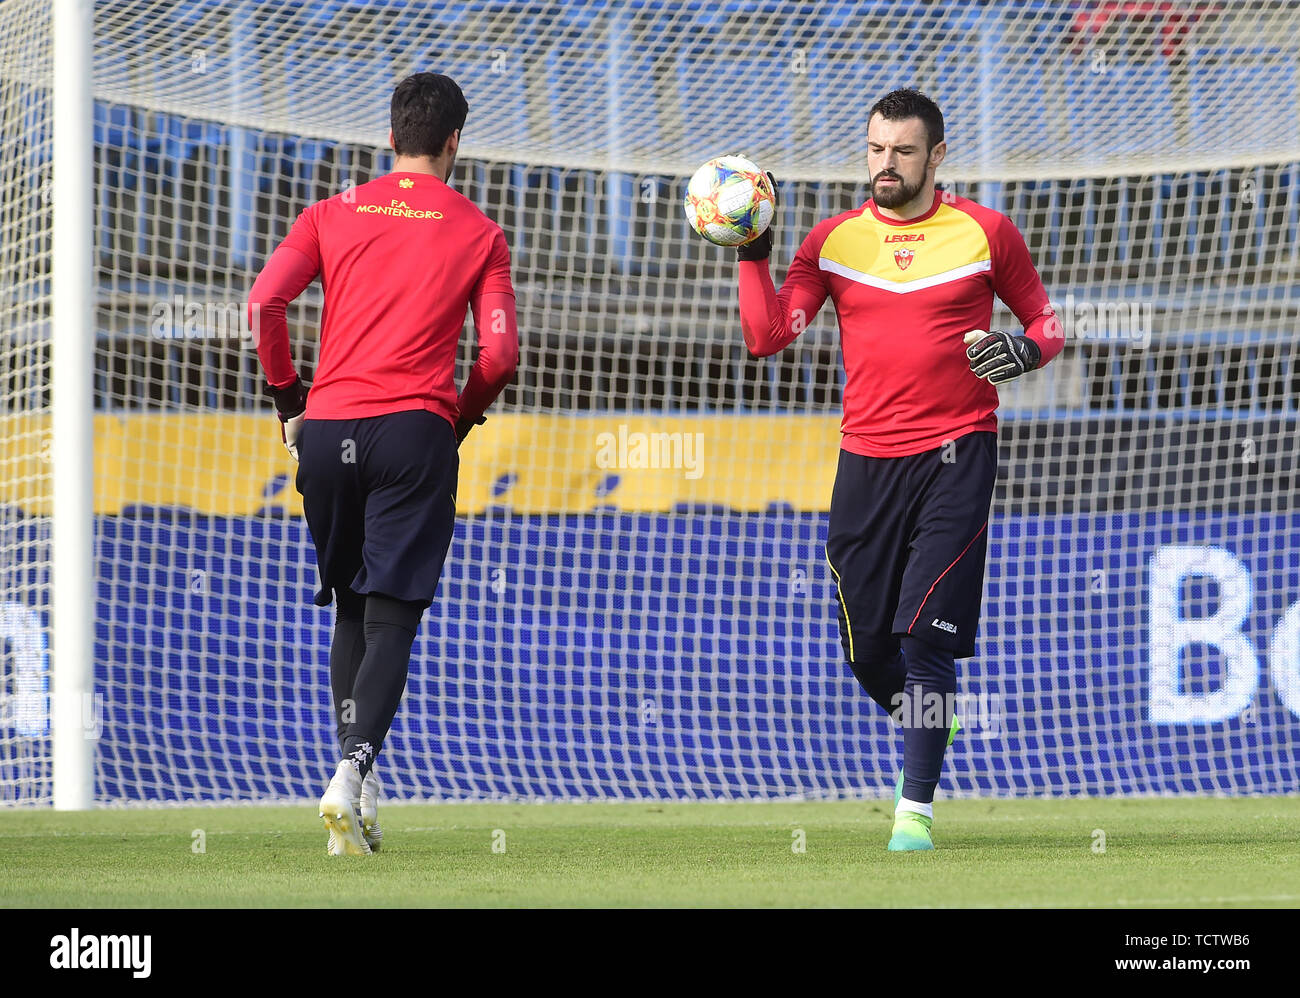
(72, 278)
(636, 604)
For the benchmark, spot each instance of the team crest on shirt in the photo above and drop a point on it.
(406, 182)
(904, 258)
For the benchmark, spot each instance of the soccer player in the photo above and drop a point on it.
(376, 437)
(912, 274)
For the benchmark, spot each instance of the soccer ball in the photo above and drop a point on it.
(730, 201)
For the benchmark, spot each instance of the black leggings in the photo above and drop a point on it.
(908, 685)
(369, 658)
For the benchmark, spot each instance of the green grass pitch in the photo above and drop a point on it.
(992, 853)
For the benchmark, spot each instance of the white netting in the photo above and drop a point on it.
(25, 220)
(1032, 88)
(610, 630)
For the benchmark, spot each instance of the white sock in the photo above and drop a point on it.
(916, 808)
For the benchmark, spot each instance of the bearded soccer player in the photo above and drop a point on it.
(400, 258)
(912, 275)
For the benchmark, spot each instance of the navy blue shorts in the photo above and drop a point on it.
(379, 495)
(906, 546)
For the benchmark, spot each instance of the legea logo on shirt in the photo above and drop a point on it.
(904, 256)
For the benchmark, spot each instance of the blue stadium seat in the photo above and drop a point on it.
(633, 76)
(364, 76)
(177, 138)
(964, 92)
(834, 72)
(494, 87)
(603, 106)
(115, 126)
(717, 127)
(841, 16)
(119, 148)
(146, 151)
(1230, 98)
(577, 90)
(1100, 106)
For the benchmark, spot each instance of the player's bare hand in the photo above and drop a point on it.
(1000, 356)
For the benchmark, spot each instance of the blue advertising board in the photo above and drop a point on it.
(621, 655)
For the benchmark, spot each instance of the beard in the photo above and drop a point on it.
(893, 195)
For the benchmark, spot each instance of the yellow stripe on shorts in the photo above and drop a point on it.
(839, 591)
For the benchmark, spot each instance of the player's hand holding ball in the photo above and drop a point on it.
(1000, 356)
(291, 407)
(760, 247)
(730, 202)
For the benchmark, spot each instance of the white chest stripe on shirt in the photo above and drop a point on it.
(903, 287)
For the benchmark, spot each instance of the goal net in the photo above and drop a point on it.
(636, 603)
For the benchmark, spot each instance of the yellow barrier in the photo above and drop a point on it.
(234, 464)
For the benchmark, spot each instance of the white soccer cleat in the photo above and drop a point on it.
(341, 809)
(370, 811)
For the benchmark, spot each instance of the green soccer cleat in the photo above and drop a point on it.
(911, 832)
(898, 787)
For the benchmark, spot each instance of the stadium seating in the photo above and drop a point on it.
(1276, 87)
(1079, 231)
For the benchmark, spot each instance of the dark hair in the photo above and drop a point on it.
(909, 103)
(427, 108)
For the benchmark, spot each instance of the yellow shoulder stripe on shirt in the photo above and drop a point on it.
(947, 246)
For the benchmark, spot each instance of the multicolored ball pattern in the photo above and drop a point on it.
(730, 201)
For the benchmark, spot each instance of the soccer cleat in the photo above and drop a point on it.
(898, 787)
(370, 811)
(340, 807)
(911, 832)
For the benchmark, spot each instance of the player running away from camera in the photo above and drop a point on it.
(912, 274)
(400, 258)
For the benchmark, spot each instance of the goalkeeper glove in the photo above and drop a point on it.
(760, 248)
(1000, 356)
(290, 406)
(463, 426)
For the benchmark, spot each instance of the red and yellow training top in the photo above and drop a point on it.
(905, 293)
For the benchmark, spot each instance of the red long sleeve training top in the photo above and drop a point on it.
(400, 259)
(905, 294)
